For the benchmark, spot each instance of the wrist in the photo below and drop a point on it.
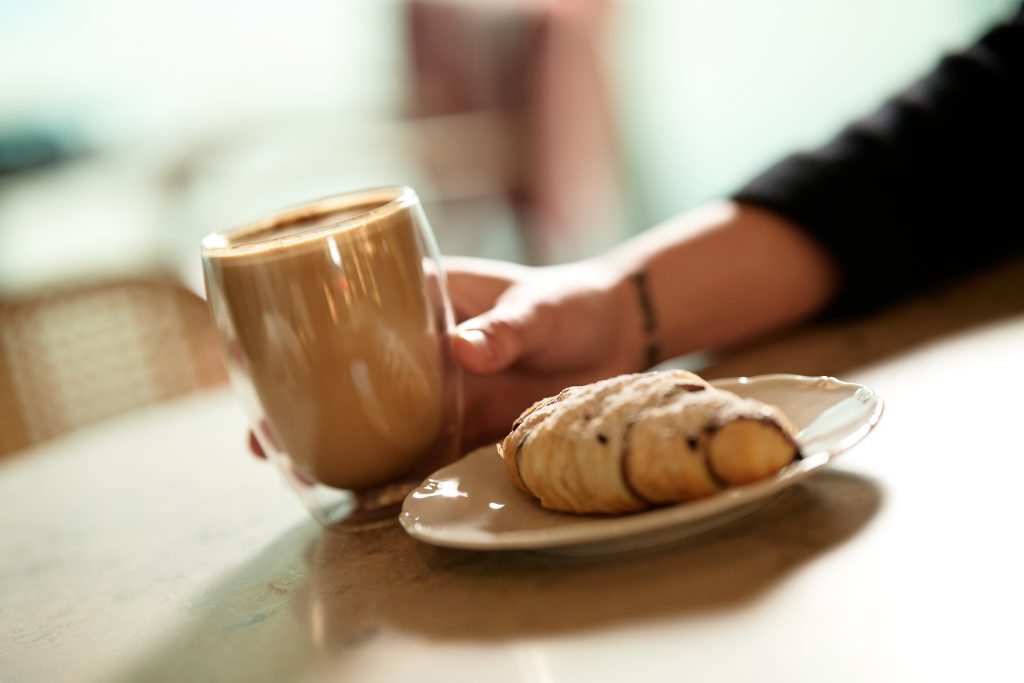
(635, 332)
(718, 275)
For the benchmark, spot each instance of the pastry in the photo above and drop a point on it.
(631, 442)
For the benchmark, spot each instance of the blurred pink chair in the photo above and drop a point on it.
(522, 99)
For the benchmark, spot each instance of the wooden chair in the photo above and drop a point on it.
(72, 356)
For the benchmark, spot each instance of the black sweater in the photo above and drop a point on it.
(927, 188)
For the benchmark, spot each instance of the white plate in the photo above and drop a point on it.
(472, 504)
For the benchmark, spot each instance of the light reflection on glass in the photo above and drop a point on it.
(332, 249)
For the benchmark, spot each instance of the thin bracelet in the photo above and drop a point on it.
(652, 354)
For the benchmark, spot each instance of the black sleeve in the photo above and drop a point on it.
(925, 189)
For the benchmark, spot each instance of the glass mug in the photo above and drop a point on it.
(335, 322)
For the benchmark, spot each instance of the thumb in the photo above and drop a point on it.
(499, 338)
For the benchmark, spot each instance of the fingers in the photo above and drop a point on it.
(494, 333)
(499, 273)
(500, 337)
(475, 284)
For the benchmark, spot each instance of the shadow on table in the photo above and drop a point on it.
(312, 598)
(242, 627)
(362, 583)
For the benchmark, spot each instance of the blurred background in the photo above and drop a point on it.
(535, 131)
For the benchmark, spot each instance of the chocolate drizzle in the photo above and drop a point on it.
(797, 454)
(624, 465)
(706, 452)
(519, 454)
(680, 387)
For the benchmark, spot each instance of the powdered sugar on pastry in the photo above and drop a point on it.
(629, 442)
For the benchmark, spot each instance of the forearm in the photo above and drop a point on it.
(918, 192)
(720, 275)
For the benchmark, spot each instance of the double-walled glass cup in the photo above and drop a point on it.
(335, 322)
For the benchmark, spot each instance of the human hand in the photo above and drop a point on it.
(716, 276)
(525, 333)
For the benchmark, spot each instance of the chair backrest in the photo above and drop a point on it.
(72, 356)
